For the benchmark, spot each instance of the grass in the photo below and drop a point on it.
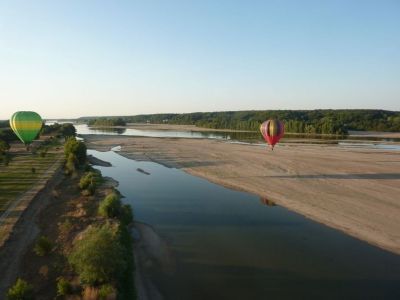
(17, 177)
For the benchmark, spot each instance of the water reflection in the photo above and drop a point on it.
(103, 130)
(249, 137)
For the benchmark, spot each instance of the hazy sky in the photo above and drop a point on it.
(74, 58)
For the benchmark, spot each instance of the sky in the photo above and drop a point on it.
(84, 58)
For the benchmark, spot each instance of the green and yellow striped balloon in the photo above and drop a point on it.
(26, 125)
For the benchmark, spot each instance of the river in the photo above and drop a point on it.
(225, 244)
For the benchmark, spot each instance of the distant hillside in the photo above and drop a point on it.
(296, 121)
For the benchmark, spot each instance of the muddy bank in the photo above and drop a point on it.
(98, 162)
(353, 190)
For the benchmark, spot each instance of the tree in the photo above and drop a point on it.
(67, 130)
(110, 207)
(77, 148)
(99, 256)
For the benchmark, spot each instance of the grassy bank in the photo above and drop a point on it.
(84, 248)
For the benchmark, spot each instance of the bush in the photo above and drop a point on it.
(21, 290)
(98, 257)
(43, 246)
(63, 287)
(105, 291)
(110, 207)
(90, 180)
(77, 149)
(70, 165)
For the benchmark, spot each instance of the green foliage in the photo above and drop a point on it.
(75, 153)
(70, 165)
(126, 214)
(111, 205)
(99, 256)
(105, 291)
(21, 290)
(64, 287)
(43, 246)
(89, 181)
(296, 121)
(68, 130)
(77, 148)
(62, 130)
(107, 122)
(6, 134)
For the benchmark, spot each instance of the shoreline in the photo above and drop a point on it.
(194, 128)
(359, 196)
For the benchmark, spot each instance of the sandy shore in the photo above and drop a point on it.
(354, 190)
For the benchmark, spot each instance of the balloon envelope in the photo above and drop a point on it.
(26, 125)
(272, 131)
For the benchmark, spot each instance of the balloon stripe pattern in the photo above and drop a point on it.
(272, 131)
(26, 125)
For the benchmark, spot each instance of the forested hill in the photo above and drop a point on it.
(296, 121)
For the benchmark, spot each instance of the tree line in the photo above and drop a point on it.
(337, 122)
(107, 122)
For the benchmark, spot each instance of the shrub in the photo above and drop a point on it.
(90, 178)
(63, 287)
(110, 207)
(105, 291)
(43, 246)
(98, 256)
(70, 165)
(21, 290)
(76, 148)
(126, 215)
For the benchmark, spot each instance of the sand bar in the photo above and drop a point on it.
(352, 189)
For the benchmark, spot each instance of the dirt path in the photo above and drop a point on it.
(351, 189)
(24, 233)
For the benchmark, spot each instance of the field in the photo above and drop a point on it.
(20, 180)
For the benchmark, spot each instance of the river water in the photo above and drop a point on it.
(225, 244)
(247, 137)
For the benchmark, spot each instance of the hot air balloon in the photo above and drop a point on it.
(272, 131)
(26, 125)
